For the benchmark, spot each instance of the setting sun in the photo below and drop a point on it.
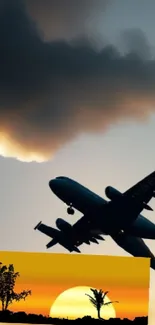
(74, 303)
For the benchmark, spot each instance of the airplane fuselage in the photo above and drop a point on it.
(88, 203)
(118, 217)
(71, 192)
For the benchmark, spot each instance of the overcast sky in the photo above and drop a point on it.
(77, 93)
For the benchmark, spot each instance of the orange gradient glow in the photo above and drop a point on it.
(12, 149)
(51, 275)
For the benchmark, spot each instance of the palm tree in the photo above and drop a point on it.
(98, 300)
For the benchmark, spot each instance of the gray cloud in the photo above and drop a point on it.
(50, 92)
(66, 18)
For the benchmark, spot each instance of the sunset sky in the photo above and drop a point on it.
(96, 137)
(126, 279)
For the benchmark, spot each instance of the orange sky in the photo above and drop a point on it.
(48, 275)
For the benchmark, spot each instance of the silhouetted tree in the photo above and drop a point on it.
(98, 300)
(8, 278)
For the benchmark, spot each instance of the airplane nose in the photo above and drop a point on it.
(53, 184)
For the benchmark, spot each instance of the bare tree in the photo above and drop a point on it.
(98, 300)
(8, 278)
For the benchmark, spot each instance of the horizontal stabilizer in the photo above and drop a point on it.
(52, 243)
(49, 231)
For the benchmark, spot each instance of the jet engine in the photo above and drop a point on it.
(112, 193)
(63, 225)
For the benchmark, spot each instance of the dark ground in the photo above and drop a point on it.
(22, 317)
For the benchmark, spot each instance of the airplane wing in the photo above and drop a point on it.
(143, 191)
(82, 232)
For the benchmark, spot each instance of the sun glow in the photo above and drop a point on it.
(74, 303)
(12, 149)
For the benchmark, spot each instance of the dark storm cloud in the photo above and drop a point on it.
(52, 91)
(66, 18)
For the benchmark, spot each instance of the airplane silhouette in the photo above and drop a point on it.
(120, 217)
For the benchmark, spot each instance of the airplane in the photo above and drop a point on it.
(119, 217)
